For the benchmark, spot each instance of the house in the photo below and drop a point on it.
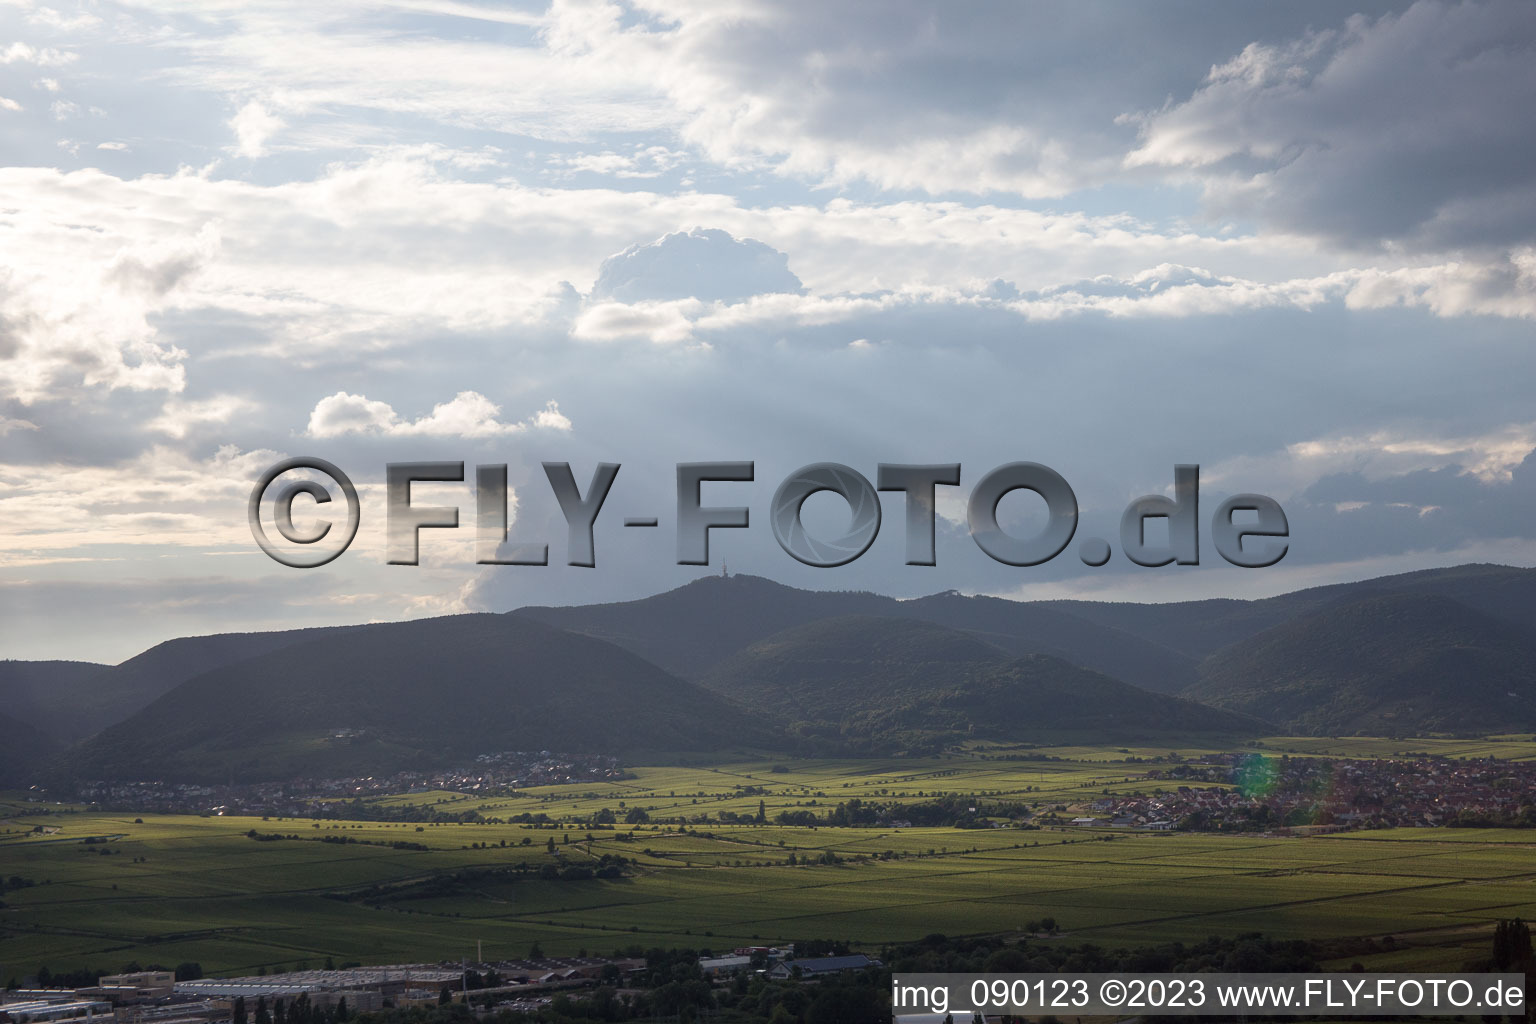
(138, 987)
(714, 967)
(771, 952)
(817, 966)
(43, 1011)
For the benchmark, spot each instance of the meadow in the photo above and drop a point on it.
(172, 888)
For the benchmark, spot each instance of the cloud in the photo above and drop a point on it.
(550, 417)
(9, 104)
(468, 414)
(392, 201)
(47, 57)
(1500, 286)
(7, 425)
(51, 18)
(1385, 461)
(1490, 457)
(1390, 129)
(1505, 288)
(661, 322)
(704, 263)
(159, 497)
(254, 125)
(916, 99)
(642, 162)
(1353, 514)
(389, 59)
(1012, 99)
(178, 418)
(90, 326)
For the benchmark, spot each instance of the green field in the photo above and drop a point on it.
(175, 888)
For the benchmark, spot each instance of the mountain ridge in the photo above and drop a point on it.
(413, 695)
(1392, 663)
(874, 681)
(1248, 658)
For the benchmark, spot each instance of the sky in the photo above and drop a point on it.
(1294, 244)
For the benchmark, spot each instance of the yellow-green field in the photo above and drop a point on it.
(182, 887)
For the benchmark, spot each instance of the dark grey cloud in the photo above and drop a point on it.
(1022, 98)
(1430, 509)
(1111, 404)
(1403, 128)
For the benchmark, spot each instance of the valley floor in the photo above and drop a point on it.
(173, 888)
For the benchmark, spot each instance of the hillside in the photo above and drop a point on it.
(146, 676)
(1198, 629)
(1392, 664)
(829, 669)
(70, 700)
(1441, 650)
(415, 694)
(1032, 627)
(23, 749)
(693, 628)
(60, 699)
(690, 630)
(887, 683)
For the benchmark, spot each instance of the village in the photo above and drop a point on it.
(499, 773)
(156, 996)
(1249, 792)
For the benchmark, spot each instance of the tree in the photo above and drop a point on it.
(189, 971)
(1511, 944)
(263, 1015)
(445, 996)
(636, 816)
(239, 1010)
(848, 1003)
(762, 812)
(535, 952)
(341, 1010)
(550, 846)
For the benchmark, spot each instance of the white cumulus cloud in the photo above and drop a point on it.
(254, 126)
(468, 414)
